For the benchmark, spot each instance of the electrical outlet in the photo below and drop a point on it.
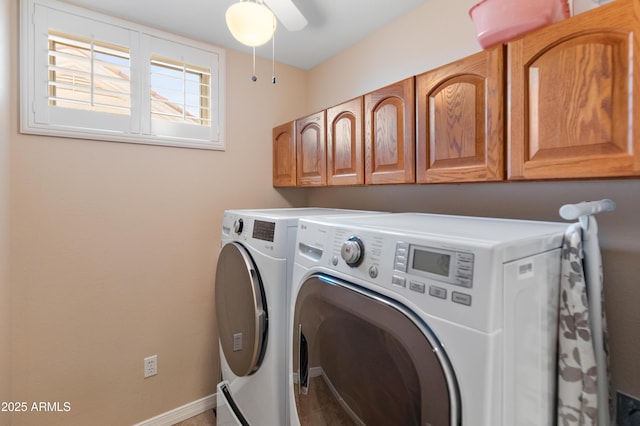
(628, 410)
(150, 366)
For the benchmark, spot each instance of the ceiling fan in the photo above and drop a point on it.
(287, 13)
(253, 23)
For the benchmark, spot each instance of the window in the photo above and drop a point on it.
(92, 76)
(180, 92)
(88, 75)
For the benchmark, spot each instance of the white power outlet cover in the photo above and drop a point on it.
(150, 366)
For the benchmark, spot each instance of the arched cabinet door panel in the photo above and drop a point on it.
(345, 147)
(311, 150)
(390, 134)
(460, 133)
(573, 88)
(284, 155)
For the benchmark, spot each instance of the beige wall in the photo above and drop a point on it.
(433, 34)
(114, 245)
(113, 255)
(5, 290)
(439, 32)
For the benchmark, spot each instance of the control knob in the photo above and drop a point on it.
(238, 225)
(352, 251)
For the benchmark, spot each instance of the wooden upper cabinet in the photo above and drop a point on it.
(460, 133)
(284, 155)
(389, 121)
(574, 92)
(345, 147)
(311, 153)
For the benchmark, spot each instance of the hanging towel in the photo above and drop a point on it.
(578, 399)
(595, 290)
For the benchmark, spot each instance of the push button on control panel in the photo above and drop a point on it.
(373, 271)
(401, 257)
(399, 281)
(416, 286)
(464, 270)
(463, 281)
(462, 298)
(439, 292)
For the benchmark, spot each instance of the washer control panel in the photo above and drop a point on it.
(461, 270)
(438, 273)
(430, 270)
(448, 266)
(447, 278)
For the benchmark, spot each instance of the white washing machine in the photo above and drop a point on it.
(418, 319)
(252, 282)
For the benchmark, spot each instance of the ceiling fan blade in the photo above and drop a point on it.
(288, 14)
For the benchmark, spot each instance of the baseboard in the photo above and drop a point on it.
(181, 413)
(313, 372)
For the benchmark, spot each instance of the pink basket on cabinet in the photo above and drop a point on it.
(498, 21)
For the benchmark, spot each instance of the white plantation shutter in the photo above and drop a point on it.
(189, 88)
(188, 76)
(67, 71)
(88, 75)
(92, 76)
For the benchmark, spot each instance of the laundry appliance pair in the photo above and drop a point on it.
(375, 319)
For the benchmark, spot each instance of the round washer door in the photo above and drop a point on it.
(381, 364)
(241, 310)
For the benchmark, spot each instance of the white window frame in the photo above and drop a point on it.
(38, 117)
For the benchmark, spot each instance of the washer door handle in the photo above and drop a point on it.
(303, 363)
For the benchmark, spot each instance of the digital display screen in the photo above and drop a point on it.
(432, 262)
(263, 230)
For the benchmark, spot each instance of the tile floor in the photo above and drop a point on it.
(320, 406)
(208, 418)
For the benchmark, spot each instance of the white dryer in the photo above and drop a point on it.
(419, 319)
(252, 282)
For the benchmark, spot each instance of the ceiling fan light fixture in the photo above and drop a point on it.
(251, 23)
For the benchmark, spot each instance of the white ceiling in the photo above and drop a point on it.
(333, 24)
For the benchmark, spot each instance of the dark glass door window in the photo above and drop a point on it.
(361, 359)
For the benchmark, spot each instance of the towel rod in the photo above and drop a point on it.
(586, 208)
